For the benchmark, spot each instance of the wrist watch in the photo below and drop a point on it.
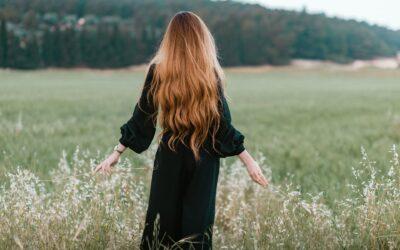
(116, 148)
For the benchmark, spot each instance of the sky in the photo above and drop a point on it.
(382, 12)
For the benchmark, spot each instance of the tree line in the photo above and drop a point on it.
(111, 34)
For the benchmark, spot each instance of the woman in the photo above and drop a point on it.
(183, 90)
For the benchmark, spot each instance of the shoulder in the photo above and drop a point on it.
(220, 87)
(151, 68)
(150, 73)
(219, 82)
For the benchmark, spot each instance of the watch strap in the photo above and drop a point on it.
(117, 149)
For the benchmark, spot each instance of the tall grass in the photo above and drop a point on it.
(75, 209)
(310, 123)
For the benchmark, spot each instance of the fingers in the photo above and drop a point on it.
(98, 168)
(263, 180)
(103, 167)
(259, 178)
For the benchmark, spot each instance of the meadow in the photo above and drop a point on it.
(310, 129)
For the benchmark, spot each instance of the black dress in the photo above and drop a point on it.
(183, 191)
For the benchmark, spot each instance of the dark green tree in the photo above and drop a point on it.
(104, 33)
(3, 44)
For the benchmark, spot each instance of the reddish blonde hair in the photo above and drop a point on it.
(185, 79)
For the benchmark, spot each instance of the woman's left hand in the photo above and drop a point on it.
(253, 169)
(107, 164)
(256, 174)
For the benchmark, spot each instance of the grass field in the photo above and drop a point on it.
(309, 124)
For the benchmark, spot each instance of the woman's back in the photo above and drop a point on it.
(226, 141)
(184, 84)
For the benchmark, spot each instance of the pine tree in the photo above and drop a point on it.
(3, 44)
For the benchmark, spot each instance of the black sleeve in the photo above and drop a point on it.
(229, 140)
(138, 132)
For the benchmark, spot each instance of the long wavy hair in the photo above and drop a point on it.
(185, 82)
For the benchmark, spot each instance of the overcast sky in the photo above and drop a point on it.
(382, 12)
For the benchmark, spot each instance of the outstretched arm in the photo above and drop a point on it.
(138, 132)
(230, 143)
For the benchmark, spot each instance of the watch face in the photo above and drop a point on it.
(116, 148)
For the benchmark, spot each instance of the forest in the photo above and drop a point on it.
(112, 34)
